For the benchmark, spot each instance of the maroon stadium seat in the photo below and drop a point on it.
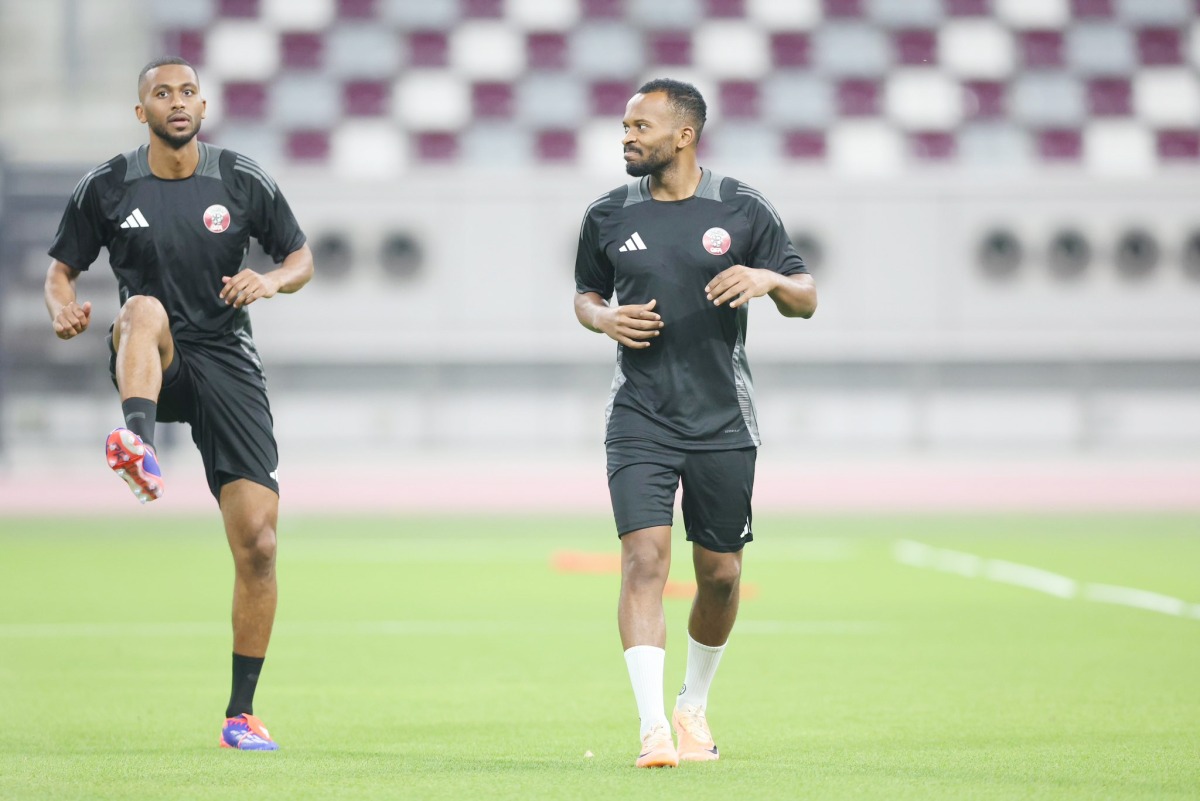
(245, 100)
(308, 146)
(301, 50)
(356, 9)
(439, 146)
(492, 100)
(739, 99)
(1110, 97)
(670, 48)
(556, 145)
(242, 9)
(366, 98)
(428, 49)
(858, 97)
(546, 51)
(1060, 144)
(805, 145)
(984, 100)
(790, 49)
(915, 47)
(1158, 47)
(1041, 49)
(1179, 145)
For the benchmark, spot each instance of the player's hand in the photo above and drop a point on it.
(738, 284)
(246, 287)
(72, 320)
(633, 326)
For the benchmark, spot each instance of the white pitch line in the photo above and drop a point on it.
(945, 560)
(1139, 599)
(1032, 578)
(912, 553)
(959, 563)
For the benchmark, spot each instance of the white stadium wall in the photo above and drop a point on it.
(915, 346)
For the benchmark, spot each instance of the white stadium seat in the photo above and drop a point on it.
(431, 100)
(922, 99)
(298, 15)
(487, 49)
(977, 48)
(242, 50)
(726, 49)
(372, 150)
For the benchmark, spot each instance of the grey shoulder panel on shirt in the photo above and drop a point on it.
(710, 185)
(210, 161)
(639, 190)
(137, 163)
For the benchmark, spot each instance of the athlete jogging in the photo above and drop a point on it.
(176, 216)
(685, 251)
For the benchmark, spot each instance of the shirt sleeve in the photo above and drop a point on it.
(271, 220)
(593, 270)
(772, 249)
(83, 229)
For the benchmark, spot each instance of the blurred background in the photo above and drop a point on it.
(999, 200)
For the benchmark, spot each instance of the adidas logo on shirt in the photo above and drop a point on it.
(632, 243)
(135, 220)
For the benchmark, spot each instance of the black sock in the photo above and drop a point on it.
(139, 417)
(245, 680)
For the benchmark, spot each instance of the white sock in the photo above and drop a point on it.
(645, 663)
(702, 664)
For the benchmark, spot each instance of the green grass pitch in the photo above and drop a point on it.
(446, 658)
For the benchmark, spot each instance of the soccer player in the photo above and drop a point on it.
(685, 250)
(176, 216)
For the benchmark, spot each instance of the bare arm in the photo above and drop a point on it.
(633, 326)
(794, 295)
(69, 318)
(248, 286)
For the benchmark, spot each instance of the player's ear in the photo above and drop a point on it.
(687, 136)
(140, 112)
(203, 108)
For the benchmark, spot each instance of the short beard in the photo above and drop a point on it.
(173, 140)
(655, 162)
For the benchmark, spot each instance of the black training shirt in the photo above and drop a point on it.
(691, 388)
(175, 239)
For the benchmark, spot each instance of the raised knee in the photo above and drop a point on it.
(141, 310)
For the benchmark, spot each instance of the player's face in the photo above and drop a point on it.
(171, 104)
(651, 132)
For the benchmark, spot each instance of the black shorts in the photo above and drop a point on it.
(224, 400)
(717, 487)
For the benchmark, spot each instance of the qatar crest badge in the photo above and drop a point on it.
(216, 218)
(716, 241)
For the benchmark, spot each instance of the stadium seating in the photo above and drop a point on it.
(374, 87)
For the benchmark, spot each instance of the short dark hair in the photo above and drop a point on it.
(684, 98)
(162, 62)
